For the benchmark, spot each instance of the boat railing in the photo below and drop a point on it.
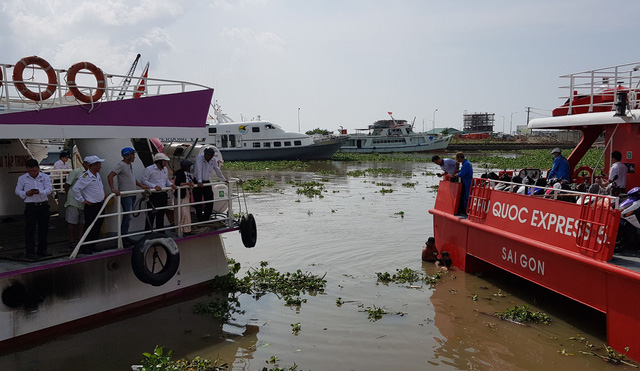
(58, 177)
(220, 220)
(596, 224)
(600, 86)
(12, 100)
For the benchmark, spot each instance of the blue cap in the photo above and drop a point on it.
(126, 150)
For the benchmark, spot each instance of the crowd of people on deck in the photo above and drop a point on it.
(460, 169)
(85, 195)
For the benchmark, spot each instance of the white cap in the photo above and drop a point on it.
(160, 156)
(93, 159)
(556, 150)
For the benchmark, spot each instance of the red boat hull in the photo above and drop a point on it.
(554, 244)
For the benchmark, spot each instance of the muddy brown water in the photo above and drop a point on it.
(348, 236)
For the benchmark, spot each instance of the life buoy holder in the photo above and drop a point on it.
(22, 88)
(155, 259)
(581, 179)
(73, 87)
(248, 230)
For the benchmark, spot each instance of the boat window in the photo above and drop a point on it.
(225, 143)
(256, 144)
(266, 144)
(178, 151)
(255, 129)
(213, 130)
(287, 144)
(277, 144)
(269, 126)
(232, 141)
(297, 143)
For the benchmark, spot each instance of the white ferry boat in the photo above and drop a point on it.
(261, 141)
(69, 288)
(385, 136)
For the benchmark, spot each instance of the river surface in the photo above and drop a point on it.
(348, 235)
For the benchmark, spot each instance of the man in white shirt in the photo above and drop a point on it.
(63, 162)
(617, 175)
(205, 165)
(156, 177)
(90, 191)
(33, 187)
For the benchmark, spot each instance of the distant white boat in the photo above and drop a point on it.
(385, 136)
(262, 140)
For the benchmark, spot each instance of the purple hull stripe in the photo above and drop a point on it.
(186, 110)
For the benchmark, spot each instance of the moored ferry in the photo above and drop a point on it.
(560, 239)
(389, 136)
(256, 140)
(130, 270)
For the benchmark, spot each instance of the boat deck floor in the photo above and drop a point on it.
(12, 242)
(629, 259)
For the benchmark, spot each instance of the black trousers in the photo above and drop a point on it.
(90, 214)
(158, 200)
(199, 194)
(36, 217)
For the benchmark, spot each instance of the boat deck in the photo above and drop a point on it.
(627, 259)
(12, 242)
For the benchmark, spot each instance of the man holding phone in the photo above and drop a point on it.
(34, 187)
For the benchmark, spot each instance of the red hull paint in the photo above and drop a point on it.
(552, 255)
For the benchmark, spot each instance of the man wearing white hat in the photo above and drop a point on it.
(156, 177)
(561, 167)
(90, 191)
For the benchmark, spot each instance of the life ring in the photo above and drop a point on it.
(248, 230)
(155, 259)
(22, 88)
(581, 179)
(73, 87)
(14, 296)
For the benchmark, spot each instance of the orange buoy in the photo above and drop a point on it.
(73, 87)
(22, 88)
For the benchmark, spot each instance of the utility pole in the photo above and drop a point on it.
(528, 113)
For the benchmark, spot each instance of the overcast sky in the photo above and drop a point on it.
(340, 62)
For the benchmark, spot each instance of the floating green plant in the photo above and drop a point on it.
(256, 184)
(523, 314)
(295, 328)
(386, 190)
(407, 275)
(375, 313)
(222, 309)
(401, 213)
(161, 360)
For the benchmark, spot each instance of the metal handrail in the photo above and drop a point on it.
(228, 218)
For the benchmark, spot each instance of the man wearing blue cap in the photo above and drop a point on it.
(126, 182)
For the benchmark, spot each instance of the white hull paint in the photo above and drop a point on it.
(62, 292)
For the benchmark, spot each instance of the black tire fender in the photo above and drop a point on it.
(248, 230)
(155, 259)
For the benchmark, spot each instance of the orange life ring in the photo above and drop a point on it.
(71, 81)
(581, 179)
(22, 88)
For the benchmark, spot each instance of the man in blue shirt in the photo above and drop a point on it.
(561, 167)
(466, 176)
